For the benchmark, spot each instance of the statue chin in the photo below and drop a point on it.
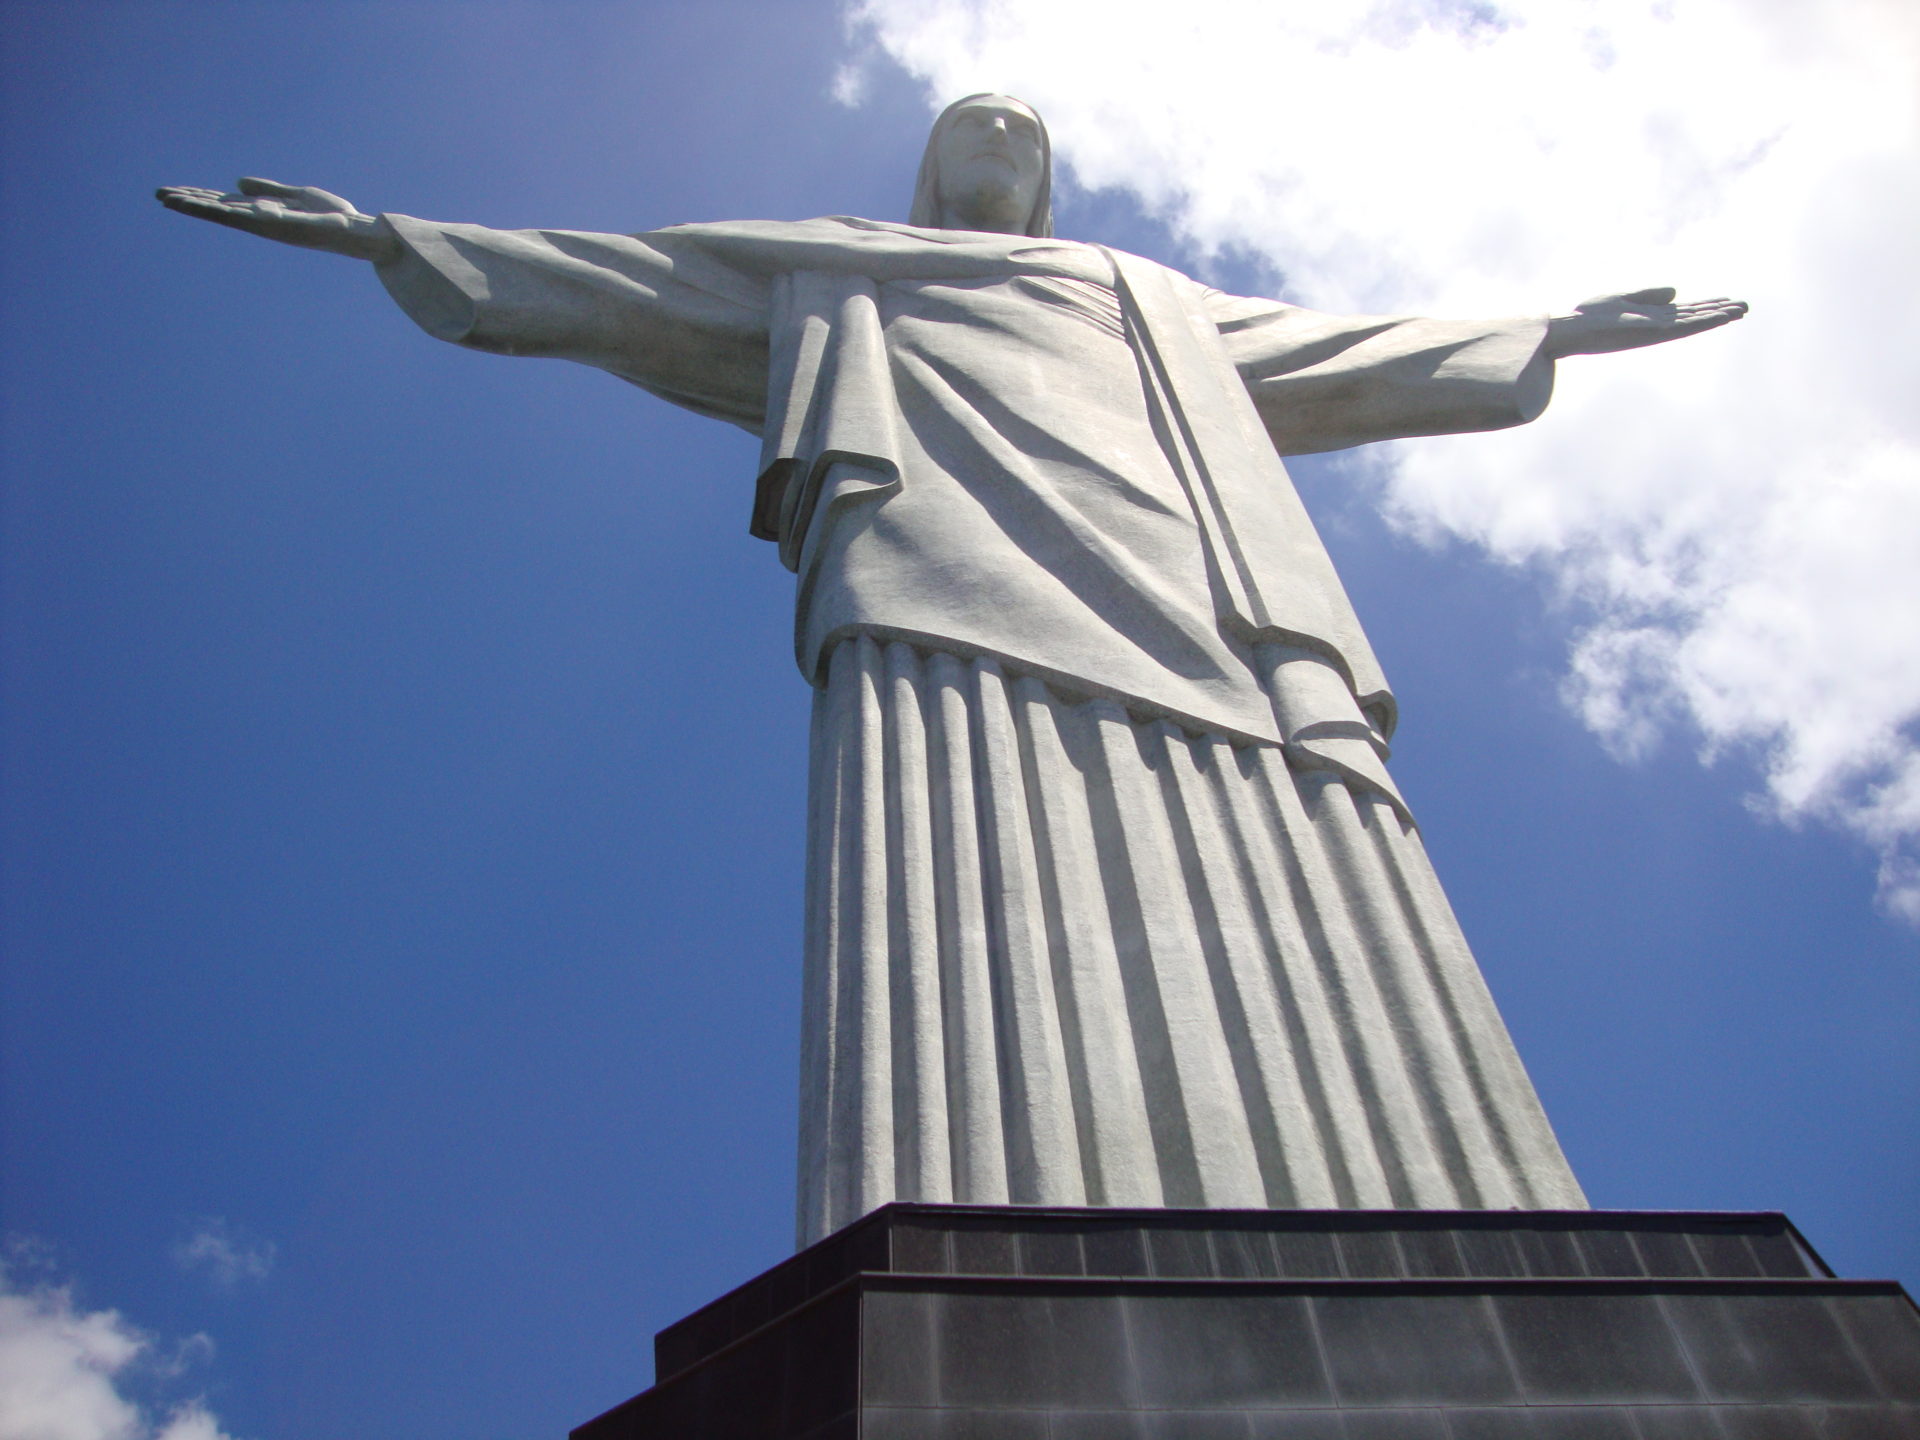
(995, 207)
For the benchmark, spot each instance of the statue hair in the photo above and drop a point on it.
(926, 188)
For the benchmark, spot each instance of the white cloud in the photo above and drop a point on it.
(228, 1254)
(1736, 517)
(63, 1372)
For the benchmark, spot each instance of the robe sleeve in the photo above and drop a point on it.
(657, 310)
(1325, 382)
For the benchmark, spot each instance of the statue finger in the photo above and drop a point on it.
(1721, 310)
(212, 210)
(1655, 295)
(187, 202)
(1709, 320)
(180, 197)
(254, 185)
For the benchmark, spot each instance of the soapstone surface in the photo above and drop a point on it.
(1112, 899)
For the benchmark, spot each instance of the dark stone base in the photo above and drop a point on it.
(946, 1322)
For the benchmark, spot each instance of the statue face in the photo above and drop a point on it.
(990, 166)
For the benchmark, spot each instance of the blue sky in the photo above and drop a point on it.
(404, 760)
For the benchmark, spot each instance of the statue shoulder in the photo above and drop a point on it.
(834, 243)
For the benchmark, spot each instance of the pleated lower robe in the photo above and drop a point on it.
(1062, 955)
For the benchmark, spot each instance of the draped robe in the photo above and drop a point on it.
(1111, 898)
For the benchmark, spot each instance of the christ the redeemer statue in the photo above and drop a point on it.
(1111, 899)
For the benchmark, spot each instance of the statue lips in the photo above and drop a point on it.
(997, 148)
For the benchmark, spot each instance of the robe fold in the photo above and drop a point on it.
(1033, 497)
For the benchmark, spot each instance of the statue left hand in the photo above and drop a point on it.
(1626, 322)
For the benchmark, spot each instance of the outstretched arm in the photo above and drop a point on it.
(662, 310)
(1626, 322)
(292, 214)
(1325, 382)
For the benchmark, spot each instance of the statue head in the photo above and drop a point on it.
(988, 166)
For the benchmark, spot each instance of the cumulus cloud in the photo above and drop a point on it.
(65, 1371)
(1735, 519)
(227, 1254)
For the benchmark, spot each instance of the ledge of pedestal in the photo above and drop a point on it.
(1020, 1323)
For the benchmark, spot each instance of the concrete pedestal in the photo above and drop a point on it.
(933, 1322)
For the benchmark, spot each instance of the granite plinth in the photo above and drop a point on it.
(926, 1322)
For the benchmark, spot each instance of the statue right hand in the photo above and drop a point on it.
(291, 214)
